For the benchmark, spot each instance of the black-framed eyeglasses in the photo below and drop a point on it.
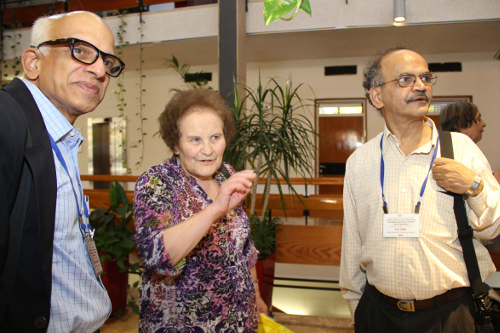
(408, 80)
(88, 54)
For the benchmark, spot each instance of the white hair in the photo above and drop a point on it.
(42, 27)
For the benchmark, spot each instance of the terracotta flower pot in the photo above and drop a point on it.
(115, 281)
(265, 274)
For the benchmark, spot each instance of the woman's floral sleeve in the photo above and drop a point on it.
(152, 208)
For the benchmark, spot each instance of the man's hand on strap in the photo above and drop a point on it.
(453, 176)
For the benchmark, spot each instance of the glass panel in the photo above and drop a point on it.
(340, 109)
(328, 110)
(351, 110)
(436, 108)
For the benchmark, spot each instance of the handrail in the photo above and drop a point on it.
(335, 180)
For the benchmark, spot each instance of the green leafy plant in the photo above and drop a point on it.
(274, 140)
(276, 9)
(497, 56)
(113, 237)
(183, 71)
(271, 137)
(264, 235)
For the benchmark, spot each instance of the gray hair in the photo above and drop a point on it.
(458, 115)
(372, 76)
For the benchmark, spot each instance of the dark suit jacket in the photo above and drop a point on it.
(29, 309)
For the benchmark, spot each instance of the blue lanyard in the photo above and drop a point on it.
(63, 163)
(382, 172)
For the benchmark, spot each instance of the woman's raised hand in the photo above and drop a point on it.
(233, 190)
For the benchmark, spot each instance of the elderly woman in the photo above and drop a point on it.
(463, 117)
(192, 230)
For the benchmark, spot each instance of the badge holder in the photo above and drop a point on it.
(88, 236)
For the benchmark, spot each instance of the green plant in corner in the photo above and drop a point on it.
(274, 140)
(264, 235)
(497, 56)
(113, 236)
(272, 137)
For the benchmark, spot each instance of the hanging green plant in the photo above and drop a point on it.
(15, 37)
(142, 76)
(120, 83)
(276, 9)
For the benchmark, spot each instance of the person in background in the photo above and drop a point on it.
(193, 233)
(464, 117)
(48, 282)
(402, 267)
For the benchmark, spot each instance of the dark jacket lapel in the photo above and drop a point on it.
(41, 162)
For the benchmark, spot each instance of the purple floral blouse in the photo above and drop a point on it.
(211, 290)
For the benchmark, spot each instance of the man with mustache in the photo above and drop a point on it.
(402, 267)
(49, 279)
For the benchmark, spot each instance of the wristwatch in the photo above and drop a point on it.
(473, 187)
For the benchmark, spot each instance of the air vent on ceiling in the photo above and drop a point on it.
(437, 67)
(193, 77)
(340, 70)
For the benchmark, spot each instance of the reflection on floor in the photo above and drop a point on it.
(309, 298)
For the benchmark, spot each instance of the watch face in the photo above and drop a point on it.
(473, 187)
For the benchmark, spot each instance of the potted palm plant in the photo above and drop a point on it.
(274, 140)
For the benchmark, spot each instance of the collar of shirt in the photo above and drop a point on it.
(57, 125)
(425, 149)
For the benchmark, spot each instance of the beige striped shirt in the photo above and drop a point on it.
(411, 268)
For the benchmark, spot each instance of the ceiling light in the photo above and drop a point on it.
(399, 11)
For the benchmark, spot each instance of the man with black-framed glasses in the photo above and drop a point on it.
(49, 279)
(402, 267)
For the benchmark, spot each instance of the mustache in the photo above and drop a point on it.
(417, 95)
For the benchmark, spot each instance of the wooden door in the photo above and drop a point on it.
(340, 136)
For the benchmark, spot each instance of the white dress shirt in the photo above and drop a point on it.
(411, 268)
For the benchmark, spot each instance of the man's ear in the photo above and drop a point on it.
(376, 97)
(30, 63)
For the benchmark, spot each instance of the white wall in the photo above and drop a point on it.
(479, 77)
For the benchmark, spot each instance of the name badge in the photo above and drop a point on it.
(401, 225)
(94, 256)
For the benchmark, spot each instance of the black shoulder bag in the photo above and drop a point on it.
(487, 300)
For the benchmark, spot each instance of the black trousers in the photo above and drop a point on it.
(375, 315)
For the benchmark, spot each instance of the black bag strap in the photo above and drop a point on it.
(16, 225)
(465, 231)
(224, 171)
